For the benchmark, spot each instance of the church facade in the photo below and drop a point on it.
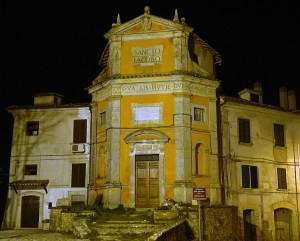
(154, 114)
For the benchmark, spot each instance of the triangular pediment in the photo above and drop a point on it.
(146, 135)
(147, 23)
(150, 44)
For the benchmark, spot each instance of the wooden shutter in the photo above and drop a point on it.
(78, 175)
(79, 131)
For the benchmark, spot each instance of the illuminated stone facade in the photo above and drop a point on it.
(261, 164)
(156, 73)
(49, 165)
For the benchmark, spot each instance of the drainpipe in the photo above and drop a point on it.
(296, 186)
(88, 186)
(220, 147)
(93, 130)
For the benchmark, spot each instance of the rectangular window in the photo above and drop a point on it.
(199, 114)
(78, 175)
(79, 131)
(102, 118)
(254, 97)
(281, 178)
(30, 170)
(249, 176)
(279, 135)
(244, 130)
(32, 128)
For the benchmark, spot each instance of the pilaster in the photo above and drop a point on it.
(215, 187)
(180, 41)
(113, 187)
(114, 60)
(182, 125)
(94, 157)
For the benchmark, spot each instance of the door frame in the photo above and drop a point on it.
(19, 207)
(145, 146)
(148, 165)
(33, 214)
(289, 215)
(161, 182)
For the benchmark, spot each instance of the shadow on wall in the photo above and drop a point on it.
(3, 191)
(249, 232)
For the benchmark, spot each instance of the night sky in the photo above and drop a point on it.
(55, 46)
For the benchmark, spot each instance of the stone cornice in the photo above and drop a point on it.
(202, 87)
(152, 76)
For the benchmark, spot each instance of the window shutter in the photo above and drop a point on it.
(244, 130)
(254, 178)
(78, 175)
(245, 176)
(281, 175)
(79, 131)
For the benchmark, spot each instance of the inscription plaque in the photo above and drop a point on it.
(147, 56)
(147, 113)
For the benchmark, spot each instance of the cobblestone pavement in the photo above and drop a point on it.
(36, 235)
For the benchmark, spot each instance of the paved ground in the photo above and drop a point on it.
(35, 235)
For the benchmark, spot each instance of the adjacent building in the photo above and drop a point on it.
(50, 159)
(260, 147)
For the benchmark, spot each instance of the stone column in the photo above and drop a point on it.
(112, 190)
(182, 124)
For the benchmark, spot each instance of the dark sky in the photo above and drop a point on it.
(55, 46)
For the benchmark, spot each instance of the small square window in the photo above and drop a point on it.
(199, 114)
(30, 170)
(254, 97)
(32, 128)
(249, 176)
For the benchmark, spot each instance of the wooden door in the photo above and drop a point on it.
(147, 181)
(249, 225)
(283, 224)
(30, 212)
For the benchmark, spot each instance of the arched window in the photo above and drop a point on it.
(200, 160)
(102, 160)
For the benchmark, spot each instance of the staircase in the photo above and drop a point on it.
(139, 226)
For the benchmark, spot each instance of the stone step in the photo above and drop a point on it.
(121, 228)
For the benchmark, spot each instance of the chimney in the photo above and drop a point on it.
(283, 97)
(292, 100)
(257, 86)
(47, 99)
